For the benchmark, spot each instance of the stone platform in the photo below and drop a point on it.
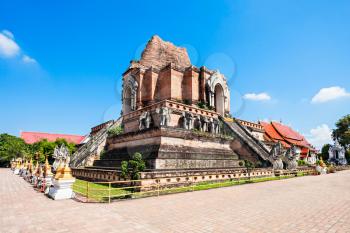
(170, 148)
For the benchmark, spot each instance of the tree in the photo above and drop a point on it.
(324, 152)
(347, 156)
(11, 147)
(71, 146)
(45, 148)
(124, 167)
(136, 165)
(342, 131)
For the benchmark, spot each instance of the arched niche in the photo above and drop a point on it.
(130, 86)
(219, 99)
(217, 93)
(127, 102)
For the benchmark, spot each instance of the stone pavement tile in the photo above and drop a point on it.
(305, 204)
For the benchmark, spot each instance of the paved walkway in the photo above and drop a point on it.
(305, 204)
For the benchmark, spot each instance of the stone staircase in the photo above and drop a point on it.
(95, 143)
(241, 133)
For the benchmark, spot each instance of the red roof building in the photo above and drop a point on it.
(276, 131)
(32, 137)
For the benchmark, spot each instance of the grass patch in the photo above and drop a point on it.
(100, 192)
(206, 185)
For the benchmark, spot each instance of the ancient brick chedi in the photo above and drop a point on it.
(175, 114)
(164, 72)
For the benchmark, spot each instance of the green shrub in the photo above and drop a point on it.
(202, 105)
(136, 165)
(133, 167)
(248, 164)
(210, 108)
(301, 162)
(124, 169)
(187, 101)
(116, 130)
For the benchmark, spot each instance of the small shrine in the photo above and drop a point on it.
(337, 154)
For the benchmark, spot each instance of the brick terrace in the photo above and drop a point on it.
(305, 204)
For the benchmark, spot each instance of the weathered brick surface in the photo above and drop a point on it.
(159, 53)
(306, 204)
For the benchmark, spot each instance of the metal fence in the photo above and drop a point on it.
(122, 190)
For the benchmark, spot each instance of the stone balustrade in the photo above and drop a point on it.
(172, 105)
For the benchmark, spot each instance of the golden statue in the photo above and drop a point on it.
(66, 173)
(30, 166)
(59, 169)
(36, 169)
(322, 164)
(25, 166)
(47, 168)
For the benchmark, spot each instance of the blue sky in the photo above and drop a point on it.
(61, 62)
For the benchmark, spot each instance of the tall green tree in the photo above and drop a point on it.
(71, 146)
(324, 152)
(11, 147)
(45, 148)
(342, 131)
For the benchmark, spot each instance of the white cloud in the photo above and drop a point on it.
(320, 135)
(28, 60)
(329, 93)
(8, 47)
(257, 97)
(8, 34)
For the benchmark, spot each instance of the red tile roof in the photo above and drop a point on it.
(286, 131)
(32, 137)
(271, 132)
(272, 135)
(286, 135)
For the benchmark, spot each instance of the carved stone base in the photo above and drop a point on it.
(170, 148)
(62, 189)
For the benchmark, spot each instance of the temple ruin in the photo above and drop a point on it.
(177, 116)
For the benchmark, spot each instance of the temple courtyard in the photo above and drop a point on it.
(303, 204)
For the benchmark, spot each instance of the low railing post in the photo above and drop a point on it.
(87, 191)
(158, 189)
(109, 192)
(192, 183)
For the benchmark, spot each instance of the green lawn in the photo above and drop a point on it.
(100, 192)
